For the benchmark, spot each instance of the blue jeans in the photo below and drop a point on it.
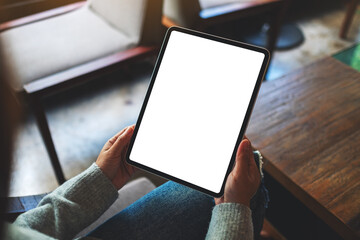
(173, 211)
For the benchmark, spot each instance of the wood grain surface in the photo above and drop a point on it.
(307, 126)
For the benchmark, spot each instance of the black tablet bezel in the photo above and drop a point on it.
(245, 122)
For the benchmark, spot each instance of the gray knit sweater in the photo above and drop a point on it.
(81, 200)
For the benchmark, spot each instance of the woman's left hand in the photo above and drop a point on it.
(111, 159)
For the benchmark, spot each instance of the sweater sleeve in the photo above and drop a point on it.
(230, 221)
(72, 206)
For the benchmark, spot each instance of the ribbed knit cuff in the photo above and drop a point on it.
(231, 221)
(91, 188)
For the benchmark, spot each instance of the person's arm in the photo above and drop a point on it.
(81, 200)
(231, 217)
(230, 221)
(72, 206)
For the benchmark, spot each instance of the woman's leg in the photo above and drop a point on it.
(173, 211)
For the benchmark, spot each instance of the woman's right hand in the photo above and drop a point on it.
(244, 180)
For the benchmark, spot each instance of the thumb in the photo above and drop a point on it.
(122, 140)
(243, 158)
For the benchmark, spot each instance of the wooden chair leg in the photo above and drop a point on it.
(275, 24)
(46, 136)
(351, 9)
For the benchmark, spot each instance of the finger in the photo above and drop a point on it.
(112, 140)
(123, 140)
(254, 171)
(252, 164)
(242, 158)
(219, 200)
(244, 138)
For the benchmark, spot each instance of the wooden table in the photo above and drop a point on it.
(307, 126)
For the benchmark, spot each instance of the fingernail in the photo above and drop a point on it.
(246, 143)
(247, 148)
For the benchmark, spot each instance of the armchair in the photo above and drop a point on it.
(350, 12)
(200, 14)
(61, 48)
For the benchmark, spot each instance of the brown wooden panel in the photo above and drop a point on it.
(307, 125)
(350, 12)
(40, 16)
(347, 206)
(167, 22)
(10, 10)
(86, 71)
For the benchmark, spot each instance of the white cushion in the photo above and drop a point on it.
(125, 15)
(127, 195)
(186, 12)
(46, 47)
(204, 4)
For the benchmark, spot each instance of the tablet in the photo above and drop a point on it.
(196, 109)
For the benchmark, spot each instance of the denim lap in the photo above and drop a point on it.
(173, 211)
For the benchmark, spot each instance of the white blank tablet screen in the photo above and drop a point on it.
(196, 109)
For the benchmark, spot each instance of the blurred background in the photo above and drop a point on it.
(82, 118)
